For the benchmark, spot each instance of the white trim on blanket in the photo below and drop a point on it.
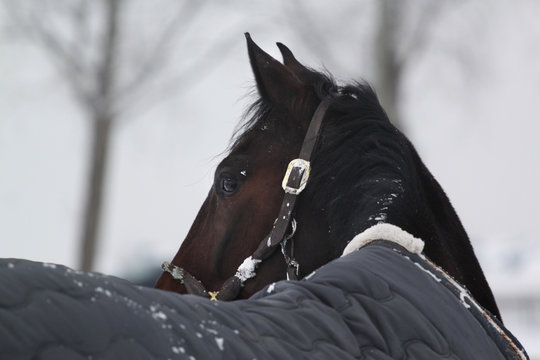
(387, 232)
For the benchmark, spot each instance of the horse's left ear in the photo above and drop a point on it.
(300, 71)
(275, 82)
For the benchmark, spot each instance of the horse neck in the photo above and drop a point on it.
(399, 190)
(447, 242)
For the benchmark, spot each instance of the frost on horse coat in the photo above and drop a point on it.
(378, 302)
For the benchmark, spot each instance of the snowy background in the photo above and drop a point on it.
(470, 102)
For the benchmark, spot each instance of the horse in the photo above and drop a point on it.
(362, 171)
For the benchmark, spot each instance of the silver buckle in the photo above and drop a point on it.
(304, 168)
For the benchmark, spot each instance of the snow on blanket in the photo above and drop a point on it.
(380, 302)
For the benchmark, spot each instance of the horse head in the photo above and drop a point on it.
(243, 203)
(363, 172)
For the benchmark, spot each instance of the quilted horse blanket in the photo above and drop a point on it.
(380, 302)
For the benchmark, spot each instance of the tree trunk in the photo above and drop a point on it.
(388, 65)
(101, 133)
(102, 122)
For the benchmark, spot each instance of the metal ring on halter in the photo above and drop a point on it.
(283, 244)
(287, 237)
(293, 230)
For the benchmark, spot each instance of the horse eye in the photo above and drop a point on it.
(228, 185)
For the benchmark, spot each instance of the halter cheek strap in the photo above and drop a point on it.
(294, 182)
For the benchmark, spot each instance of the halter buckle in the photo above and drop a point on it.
(304, 169)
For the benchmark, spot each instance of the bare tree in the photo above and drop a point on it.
(400, 34)
(88, 43)
(398, 42)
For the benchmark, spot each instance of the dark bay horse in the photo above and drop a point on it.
(363, 171)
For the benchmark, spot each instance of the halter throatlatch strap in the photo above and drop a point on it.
(294, 181)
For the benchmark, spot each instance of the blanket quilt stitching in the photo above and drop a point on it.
(188, 326)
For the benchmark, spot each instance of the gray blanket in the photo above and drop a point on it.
(380, 302)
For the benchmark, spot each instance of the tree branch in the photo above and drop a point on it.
(141, 101)
(158, 55)
(105, 74)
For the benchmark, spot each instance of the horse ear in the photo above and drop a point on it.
(300, 71)
(275, 82)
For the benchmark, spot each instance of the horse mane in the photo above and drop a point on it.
(357, 99)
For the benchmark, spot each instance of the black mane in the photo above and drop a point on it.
(357, 100)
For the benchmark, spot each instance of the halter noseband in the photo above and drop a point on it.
(294, 182)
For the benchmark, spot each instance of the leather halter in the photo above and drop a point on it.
(294, 182)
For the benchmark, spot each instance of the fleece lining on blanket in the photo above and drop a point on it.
(387, 232)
